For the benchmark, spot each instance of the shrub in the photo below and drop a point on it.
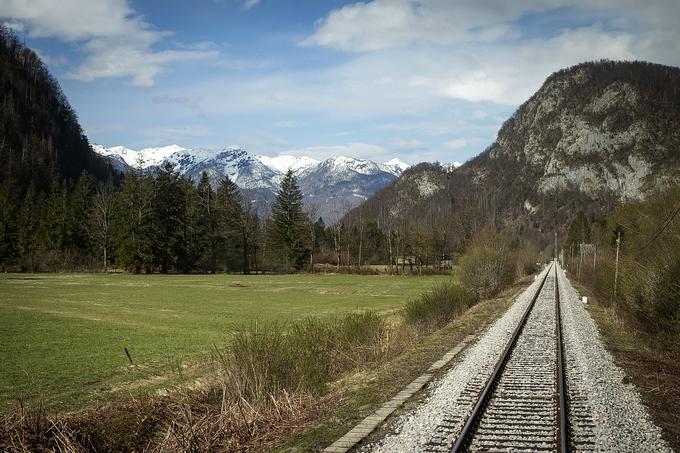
(436, 307)
(485, 271)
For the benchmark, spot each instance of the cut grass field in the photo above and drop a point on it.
(63, 334)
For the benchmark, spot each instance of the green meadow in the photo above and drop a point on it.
(63, 336)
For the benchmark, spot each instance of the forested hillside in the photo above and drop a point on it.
(44, 153)
(40, 139)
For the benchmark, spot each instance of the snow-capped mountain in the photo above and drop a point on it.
(285, 163)
(334, 185)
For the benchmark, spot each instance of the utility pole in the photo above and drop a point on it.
(555, 244)
(616, 271)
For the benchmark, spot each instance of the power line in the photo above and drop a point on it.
(663, 228)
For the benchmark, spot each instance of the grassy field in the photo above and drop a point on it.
(62, 335)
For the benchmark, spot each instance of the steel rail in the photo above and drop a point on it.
(563, 433)
(468, 429)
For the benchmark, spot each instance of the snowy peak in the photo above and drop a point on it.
(287, 162)
(338, 183)
(396, 162)
(147, 157)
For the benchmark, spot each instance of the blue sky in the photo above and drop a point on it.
(415, 79)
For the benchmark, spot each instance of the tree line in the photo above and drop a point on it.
(162, 221)
(153, 222)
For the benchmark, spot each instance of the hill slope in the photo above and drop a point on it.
(40, 138)
(593, 135)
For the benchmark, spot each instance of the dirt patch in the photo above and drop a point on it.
(238, 285)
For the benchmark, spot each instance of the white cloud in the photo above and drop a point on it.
(247, 4)
(387, 24)
(117, 41)
(473, 49)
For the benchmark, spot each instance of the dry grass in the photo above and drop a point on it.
(269, 381)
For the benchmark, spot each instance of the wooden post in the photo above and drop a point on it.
(128, 356)
(616, 271)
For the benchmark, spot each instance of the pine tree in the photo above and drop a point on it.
(168, 217)
(229, 207)
(28, 227)
(76, 237)
(289, 222)
(132, 227)
(7, 230)
(206, 223)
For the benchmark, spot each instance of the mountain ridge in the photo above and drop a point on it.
(334, 185)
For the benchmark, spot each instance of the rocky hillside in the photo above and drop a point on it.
(593, 135)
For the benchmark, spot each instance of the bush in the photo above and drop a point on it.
(485, 271)
(438, 306)
(648, 288)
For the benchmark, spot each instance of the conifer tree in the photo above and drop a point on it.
(289, 222)
(7, 230)
(228, 206)
(133, 230)
(206, 224)
(168, 217)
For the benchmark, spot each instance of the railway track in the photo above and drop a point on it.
(515, 390)
(522, 406)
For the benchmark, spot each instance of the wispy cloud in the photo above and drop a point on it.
(369, 151)
(247, 4)
(476, 50)
(116, 40)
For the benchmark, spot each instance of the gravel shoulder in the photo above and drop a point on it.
(653, 369)
(621, 421)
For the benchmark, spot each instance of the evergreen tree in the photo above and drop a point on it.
(7, 230)
(76, 236)
(168, 217)
(133, 229)
(289, 222)
(229, 207)
(28, 227)
(207, 226)
(53, 219)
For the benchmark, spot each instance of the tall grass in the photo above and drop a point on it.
(264, 359)
(436, 307)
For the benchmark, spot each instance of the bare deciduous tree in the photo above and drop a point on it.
(99, 218)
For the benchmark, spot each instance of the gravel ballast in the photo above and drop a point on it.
(608, 413)
(415, 431)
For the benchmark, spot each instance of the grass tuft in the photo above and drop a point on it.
(436, 307)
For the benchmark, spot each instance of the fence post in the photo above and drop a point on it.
(616, 271)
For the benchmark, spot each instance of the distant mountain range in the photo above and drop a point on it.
(334, 185)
